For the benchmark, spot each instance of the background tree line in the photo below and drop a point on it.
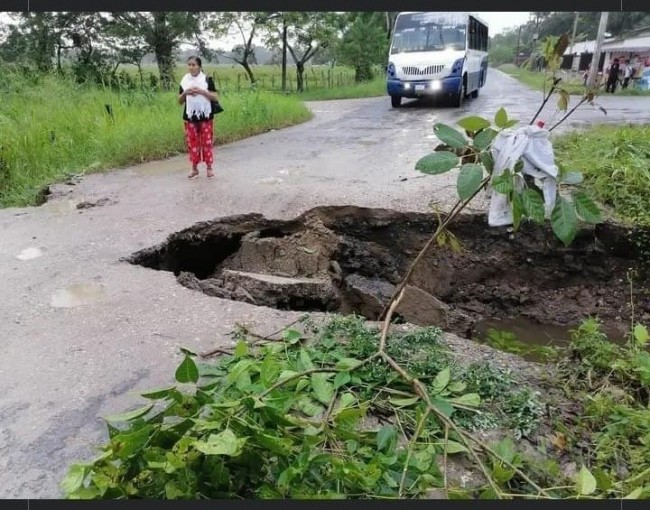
(93, 45)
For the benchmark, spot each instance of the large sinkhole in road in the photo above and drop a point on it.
(349, 260)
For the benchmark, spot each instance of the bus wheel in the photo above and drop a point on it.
(474, 94)
(457, 98)
(395, 101)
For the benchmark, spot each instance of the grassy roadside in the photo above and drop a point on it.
(535, 80)
(374, 88)
(616, 163)
(56, 128)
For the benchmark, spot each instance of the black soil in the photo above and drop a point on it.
(349, 259)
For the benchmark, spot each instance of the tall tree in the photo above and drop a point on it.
(308, 33)
(364, 44)
(160, 33)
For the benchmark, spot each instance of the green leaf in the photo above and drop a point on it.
(501, 118)
(454, 447)
(158, 394)
(404, 402)
(437, 163)
(586, 208)
(517, 210)
(505, 449)
(641, 335)
(483, 140)
(291, 336)
(473, 123)
(585, 482)
(385, 437)
(348, 364)
(488, 161)
(224, 443)
(187, 371)
(572, 178)
(346, 400)
(305, 361)
(131, 415)
(511, 123)
(323, 389)
(441, 381)
(443, 407)
(563, 100)
(241, 349)
(564, 221)
(469, 180)
(502, 474)
(449, 136)
(469, 400)
(503, 183)
(533, 205)
(74, 479)
(635, 494)
(341, 379)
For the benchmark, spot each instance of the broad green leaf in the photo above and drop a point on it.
(586, 208)
(563, 100)
(287, 374)
(346, 400)
(307, 406)
(385, 437)
(224, 443)
(437, 163)
(348, 364)
(291, 336)
(473, 123)
(323, 389)
(450, 136)
(404, 402)
(469, 400)
(511, 123)
(469, 180)
(502, 474)
(483, 140)
(603, 480)
(533, 205)
(503, 183)
(454, 447)
(488, 161)
(241, 349)
(585, 482)
(641, 335)
(443, 407)
(564, 221)
(635, 494)
(505, 449)
(131, 415)
(501, 118)
(74, 479)
(442, 380)
(341, 379)
(305, 361)
(158, 394)
(572, 178)
(457, 387)
(187, 371)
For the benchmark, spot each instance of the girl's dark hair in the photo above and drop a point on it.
(196, 59)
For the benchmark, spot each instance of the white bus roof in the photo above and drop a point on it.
(455, 12)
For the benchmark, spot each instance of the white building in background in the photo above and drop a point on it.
(634, 48)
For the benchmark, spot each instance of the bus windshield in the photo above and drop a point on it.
(429, 31)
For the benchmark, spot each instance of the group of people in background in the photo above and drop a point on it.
(614, 75)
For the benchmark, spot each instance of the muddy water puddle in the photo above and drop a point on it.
(79, 294)
(350, 260)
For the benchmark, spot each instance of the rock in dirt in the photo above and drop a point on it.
(421, 308)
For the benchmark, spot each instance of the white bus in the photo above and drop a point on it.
(434, 53)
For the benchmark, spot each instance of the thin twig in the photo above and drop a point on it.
(548, 96)
(584, 99)
(444, 465)
(413, 441)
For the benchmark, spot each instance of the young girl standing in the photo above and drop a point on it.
(197, 91)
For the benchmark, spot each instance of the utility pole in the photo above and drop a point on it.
(573, 38)
(593, 71)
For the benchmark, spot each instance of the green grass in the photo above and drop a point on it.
(374, 88)
(573, 85)
(53, 128)
(616, 163)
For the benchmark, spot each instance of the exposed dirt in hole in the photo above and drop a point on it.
(349, 259)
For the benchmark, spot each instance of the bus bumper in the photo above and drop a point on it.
(420, 88)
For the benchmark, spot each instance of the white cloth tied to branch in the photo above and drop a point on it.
(532, 145)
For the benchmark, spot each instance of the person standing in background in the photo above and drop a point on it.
(612, 77)
(197, 92)
(627, 74)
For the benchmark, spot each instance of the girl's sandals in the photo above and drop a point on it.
(210, 173)
(193, 174)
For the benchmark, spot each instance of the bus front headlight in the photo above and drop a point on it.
(391, 69)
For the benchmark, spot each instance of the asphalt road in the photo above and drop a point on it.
(82, 332)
